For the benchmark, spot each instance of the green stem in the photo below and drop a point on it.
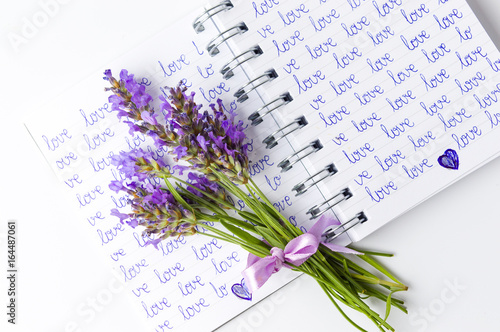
(214, 198)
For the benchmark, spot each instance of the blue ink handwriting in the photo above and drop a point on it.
(471, 83)
(310, 82)
(471, 57)
(206, 249)
(390, 161)
(365, 175)
(225, 264)
(437, 53)
(71, 181)
(96, 115)
(89, 196)
(293, 15)
(416, 41)
(437, 79)
(264, 31)
(264, 7)
(379, 63)
(436, 106)
(287, 45)
(418, 169)
(174, 65)
(381, 36)
(358, 154)
(356, 27)
(193, 309)
(322, 48)
(133, 271)
(55, 142)
(97, 140)
(369, 95)
(381, 193)
(421, 141)
(400, 102)
(366, 122)
(455, 120)
(169, 273)
(346, 59)
(465, 35)
(345, 85)
(401, 76)
(334, 117)
(322, 22)
(490, 98)
(189, 287)
(465, 139)
(415, 14)
(448, 20)
(386, 7)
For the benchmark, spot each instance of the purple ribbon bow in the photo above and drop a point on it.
(296, 252)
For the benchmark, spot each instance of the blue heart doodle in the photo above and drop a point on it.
(241, 291)
(449, 159)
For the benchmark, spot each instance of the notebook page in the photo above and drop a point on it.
(186, 284)
(387, 86)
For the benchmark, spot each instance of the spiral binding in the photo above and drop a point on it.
(227, 69)
(314, 146)
(331, 234)
(257, 118)
(282, 100)
(238, 29)
(271, 141)
(207, 14)
(242, 93)
(316, 210)
(301, 187)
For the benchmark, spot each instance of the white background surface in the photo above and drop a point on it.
(446, 249)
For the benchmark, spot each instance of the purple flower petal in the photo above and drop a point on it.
(122, 216)
(180, 151)
(154, 242)
(116, 186)
(180, 168)
(149, 117)
(202, 141)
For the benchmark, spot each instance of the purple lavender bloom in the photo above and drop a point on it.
(205, 185)
(107, 74)
(121, 216)
(133, 223)
(210, 143)
(155, 209)
(202, 142)
(180, 151)
(116, 186)
(180, 168)
(149, 118)
(154, 242)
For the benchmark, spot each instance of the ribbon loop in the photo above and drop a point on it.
(279, 256)
(296, 252)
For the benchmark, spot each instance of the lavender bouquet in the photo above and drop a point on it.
(211, 147)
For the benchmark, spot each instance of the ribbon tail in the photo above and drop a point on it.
(258, 273)
(323, 222)
(299, 249)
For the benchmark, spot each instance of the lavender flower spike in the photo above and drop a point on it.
(208, 142)
(152, 207)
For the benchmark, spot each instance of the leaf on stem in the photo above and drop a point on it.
(271, 238)
(243, 235)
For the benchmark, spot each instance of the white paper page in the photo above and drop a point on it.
(387, 87)
(186, 284)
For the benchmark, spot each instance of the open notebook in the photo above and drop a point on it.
(362, 109)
